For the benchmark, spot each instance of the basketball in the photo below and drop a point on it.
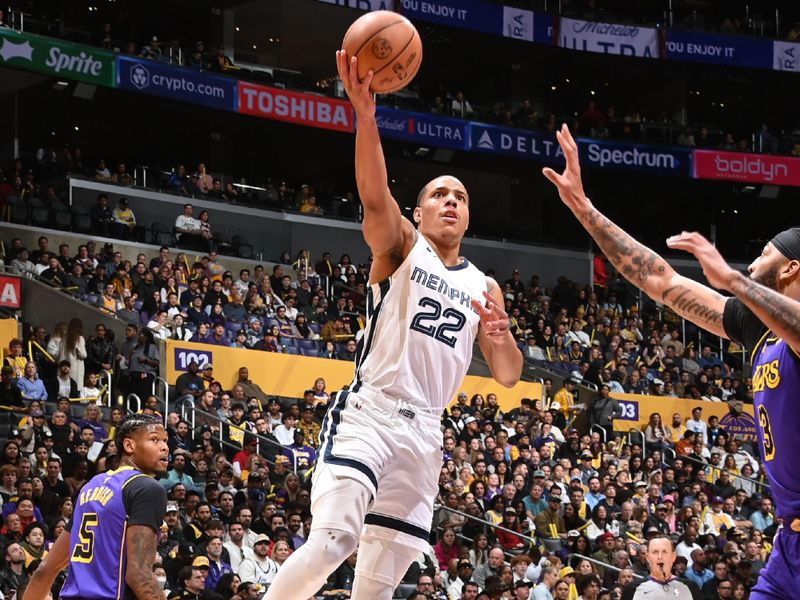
(387, 44)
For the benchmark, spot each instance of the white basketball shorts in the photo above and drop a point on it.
(391, 447)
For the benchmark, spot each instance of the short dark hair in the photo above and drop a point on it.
(130, 425)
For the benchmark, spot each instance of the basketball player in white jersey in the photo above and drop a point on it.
(380, 444)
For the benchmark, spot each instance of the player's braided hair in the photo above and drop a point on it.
(130, 425)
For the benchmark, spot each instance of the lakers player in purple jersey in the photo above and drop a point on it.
(111, 545)
(763, 315)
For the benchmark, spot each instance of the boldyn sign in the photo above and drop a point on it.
(441, 132)
(749, 168)
(608, 38)
(57, 58)
(635, 157)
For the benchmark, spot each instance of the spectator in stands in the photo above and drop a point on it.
(10, 393)
(31, 387)
(143, 364)
(21, 263)
(460, 106)
(204, 180)
(62, 385)
(101, 216)
(178, 180)
(124, 221)
(188, 229)
(101, 172)
(121, 175)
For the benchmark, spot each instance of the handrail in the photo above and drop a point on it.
(138, 403)
(596, 427)
(109, 374)
(720, 468)
(221, 421)
(633, 430)
(163, 381)
(190, 402)
(530, 539)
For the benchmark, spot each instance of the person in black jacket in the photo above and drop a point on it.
(62, 385)
(99, 351)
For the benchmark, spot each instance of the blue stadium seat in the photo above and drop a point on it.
(308, 351)
(291, 350)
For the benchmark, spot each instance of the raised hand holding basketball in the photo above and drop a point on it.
(569, 184)
(361, 98)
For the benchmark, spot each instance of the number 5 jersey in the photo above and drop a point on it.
(104, 509)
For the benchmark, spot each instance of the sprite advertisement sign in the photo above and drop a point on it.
(57, 58)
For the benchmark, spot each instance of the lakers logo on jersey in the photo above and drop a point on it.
(767, 375)
(766, 429)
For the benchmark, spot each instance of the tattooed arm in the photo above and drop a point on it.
(778, 312)
(142, 543)
(636, 262)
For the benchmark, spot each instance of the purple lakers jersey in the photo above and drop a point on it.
(104, 508)
(776, 385)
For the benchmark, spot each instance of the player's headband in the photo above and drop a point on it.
(788, 243)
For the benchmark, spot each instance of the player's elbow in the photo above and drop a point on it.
(508, 380)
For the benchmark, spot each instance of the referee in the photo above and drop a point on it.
(661, 585)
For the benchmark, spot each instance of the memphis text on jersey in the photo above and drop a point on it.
(438, 284)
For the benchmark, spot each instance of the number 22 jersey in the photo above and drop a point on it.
(417, 345)
(104, 509)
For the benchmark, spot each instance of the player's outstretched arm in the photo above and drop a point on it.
(142, 545)
(638, 264)
(495, 339)
(56, 561)
(383, 224)
(778, 312)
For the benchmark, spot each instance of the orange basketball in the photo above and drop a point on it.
(387, 44)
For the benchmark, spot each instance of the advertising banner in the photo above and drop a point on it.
(463, 14)
(441, 132)
(732, 50)
(493, 139)
(288, 375)
(10, 295)
(543, 28)
(295, 107)
(637, 408)
(748, 168)
(57, 58)
(365, 5)
(177, 83)
(608, 38)
(635, 157)
(518, 23)
(786, 56)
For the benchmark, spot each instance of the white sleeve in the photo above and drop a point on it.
(247, 570)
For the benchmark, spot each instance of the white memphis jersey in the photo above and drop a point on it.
(420, 330)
